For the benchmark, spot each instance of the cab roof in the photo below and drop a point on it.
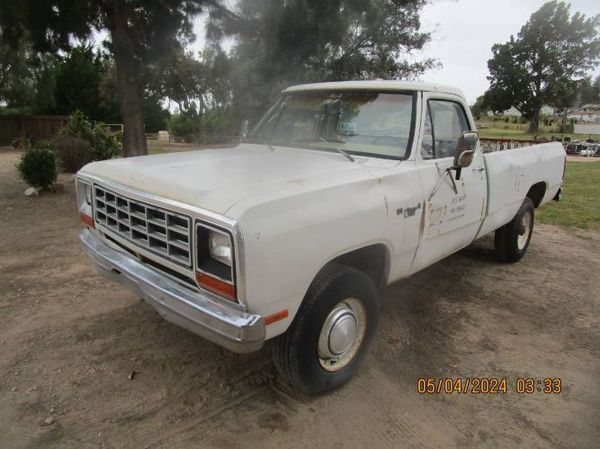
(375, 85)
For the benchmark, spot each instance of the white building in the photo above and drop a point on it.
(587, 128)
(514, 112)
(581, 115)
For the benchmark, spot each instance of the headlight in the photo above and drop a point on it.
(215, 260)
(84, 202)
(219, 245)
(88, 193)
(84, 195)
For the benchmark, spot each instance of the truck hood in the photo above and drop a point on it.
(216, 179)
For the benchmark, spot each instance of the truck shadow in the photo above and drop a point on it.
(421, 315)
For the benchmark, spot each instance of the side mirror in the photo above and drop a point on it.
(244, 129)
(465, 150)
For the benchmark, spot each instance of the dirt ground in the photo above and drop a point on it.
(69, 342)
(577, 158)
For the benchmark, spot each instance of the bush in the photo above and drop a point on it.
(20, 143)
(78, 126)
(218, 123)
(45, 144)
(213, 126)
(102, 144)
(184, 125)
(73, 152)
(566, 128)
(38, 167)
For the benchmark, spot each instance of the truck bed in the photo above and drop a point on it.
(512, 173)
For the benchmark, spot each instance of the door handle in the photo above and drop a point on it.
(479, 169)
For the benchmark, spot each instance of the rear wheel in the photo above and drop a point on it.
(512, 240)
(331, 332)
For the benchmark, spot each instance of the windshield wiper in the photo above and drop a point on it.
(339, 150)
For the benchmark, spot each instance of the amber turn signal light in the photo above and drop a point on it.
(86, 220)
(277, 316)
(215, 285)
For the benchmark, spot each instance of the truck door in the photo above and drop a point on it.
(453, 211)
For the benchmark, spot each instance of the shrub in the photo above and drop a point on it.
(213, 126)
(566, 128)
(73, 152)
(38, 167)
(20, 143)
(46, 144)
(102, 144)
(218, 123)
(78, 126)
(184, 125)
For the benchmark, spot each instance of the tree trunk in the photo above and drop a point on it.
(131, 90)
(534, 124)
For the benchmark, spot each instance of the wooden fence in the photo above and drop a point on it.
(33, 127)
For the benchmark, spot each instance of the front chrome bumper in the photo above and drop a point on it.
(200, 313)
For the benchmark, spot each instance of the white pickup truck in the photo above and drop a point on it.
(339, 190)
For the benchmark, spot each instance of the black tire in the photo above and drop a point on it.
(506, 238)
(296, 352)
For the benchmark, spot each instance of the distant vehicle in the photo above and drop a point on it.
(588, 150)
(574, 148)
(340, 189)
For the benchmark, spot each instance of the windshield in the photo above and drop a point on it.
(364, 123)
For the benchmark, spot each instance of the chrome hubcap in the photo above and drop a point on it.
(342, 334)
(524, 229)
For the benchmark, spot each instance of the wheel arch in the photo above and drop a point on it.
(374, 260)
(536, 192)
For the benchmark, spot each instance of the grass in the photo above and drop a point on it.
(156, 150)
(580, 204)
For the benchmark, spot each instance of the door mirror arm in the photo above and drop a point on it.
(447, 172)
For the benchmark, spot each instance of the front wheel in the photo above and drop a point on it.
(331, 332)
(512, 240)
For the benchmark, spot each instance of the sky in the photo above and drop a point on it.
(463, 32)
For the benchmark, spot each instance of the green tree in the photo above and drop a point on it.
(77, 82)
(281, 43)
(139, 33)
(45, 86)
(542, 65)
(26, 81)
(38, 83)
(155, 116)
(479, 107)
(588, 91)
(193, 84)
(198, 86)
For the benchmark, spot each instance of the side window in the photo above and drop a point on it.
(447, 122)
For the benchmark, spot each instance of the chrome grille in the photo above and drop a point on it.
(158, 230)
